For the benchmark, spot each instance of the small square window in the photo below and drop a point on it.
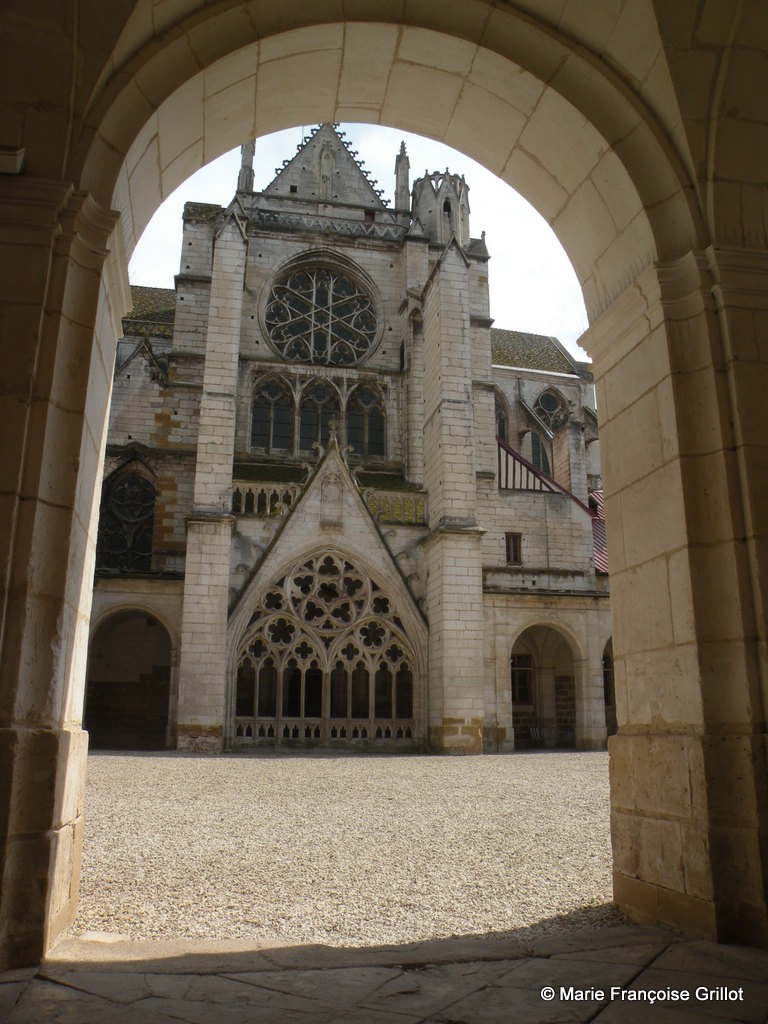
(514, 548)
(294, 188)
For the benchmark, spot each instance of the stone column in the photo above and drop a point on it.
(58, 325)
(590, 704)
(202, 667)
(453, 548)
(688, 765)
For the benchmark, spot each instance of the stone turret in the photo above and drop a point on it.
(441, 203)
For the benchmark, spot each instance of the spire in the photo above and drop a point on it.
(402, 185)
(245, 177)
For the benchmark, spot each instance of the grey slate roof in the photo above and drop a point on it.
(533, 351)
(153, 311)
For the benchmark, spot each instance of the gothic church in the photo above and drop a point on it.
(339, 507)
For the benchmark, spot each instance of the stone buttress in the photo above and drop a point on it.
(453, 548)
(206, 583)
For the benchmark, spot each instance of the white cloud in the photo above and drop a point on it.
(533, 286)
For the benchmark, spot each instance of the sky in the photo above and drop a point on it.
(533, 286)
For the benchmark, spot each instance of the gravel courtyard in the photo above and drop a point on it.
(344, 850)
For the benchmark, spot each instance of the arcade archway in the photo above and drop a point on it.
(128, 688)
(657, 218)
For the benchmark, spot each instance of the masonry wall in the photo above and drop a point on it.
(556, 533)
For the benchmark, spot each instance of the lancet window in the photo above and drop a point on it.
(319, 405)
(366, 423)
(272, 417)
(325, 658)
(539, 456)
(501, 420)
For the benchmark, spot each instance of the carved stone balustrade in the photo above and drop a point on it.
(398, 507)
(252, 498)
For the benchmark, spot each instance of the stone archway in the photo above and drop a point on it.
(550, 693)
(128, 688)
(589, 118)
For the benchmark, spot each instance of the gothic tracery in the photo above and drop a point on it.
(326, 656)
(320, 315)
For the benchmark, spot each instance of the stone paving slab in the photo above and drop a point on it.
(752, 1004)
(718, 961)
(332, 989)
(428, 990)
(169, 983)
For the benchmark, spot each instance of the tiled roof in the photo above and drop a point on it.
(532, 351)
(153, 311)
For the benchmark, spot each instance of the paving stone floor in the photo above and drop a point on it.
(103, 979)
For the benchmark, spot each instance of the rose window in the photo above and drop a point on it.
(318, 315)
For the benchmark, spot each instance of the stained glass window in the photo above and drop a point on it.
(126, 523)
(319, 405)
(365, 422)
(272, 418)
(319, 315)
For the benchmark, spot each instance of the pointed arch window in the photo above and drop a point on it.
(319, 405)
(325, 657)
(126, 523)
(366, 422)
(272, 417)
(501, 420)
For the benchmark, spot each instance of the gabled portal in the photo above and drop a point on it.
(327, 645)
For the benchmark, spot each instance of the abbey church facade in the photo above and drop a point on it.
(339, 507)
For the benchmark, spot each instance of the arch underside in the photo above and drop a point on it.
(575, 139)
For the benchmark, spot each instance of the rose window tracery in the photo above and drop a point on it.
(320, 315)
(551, 409)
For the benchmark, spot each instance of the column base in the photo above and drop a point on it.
(42, 788)
(456, 736)
(646, 903)
(687, 832)
(199, 739)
